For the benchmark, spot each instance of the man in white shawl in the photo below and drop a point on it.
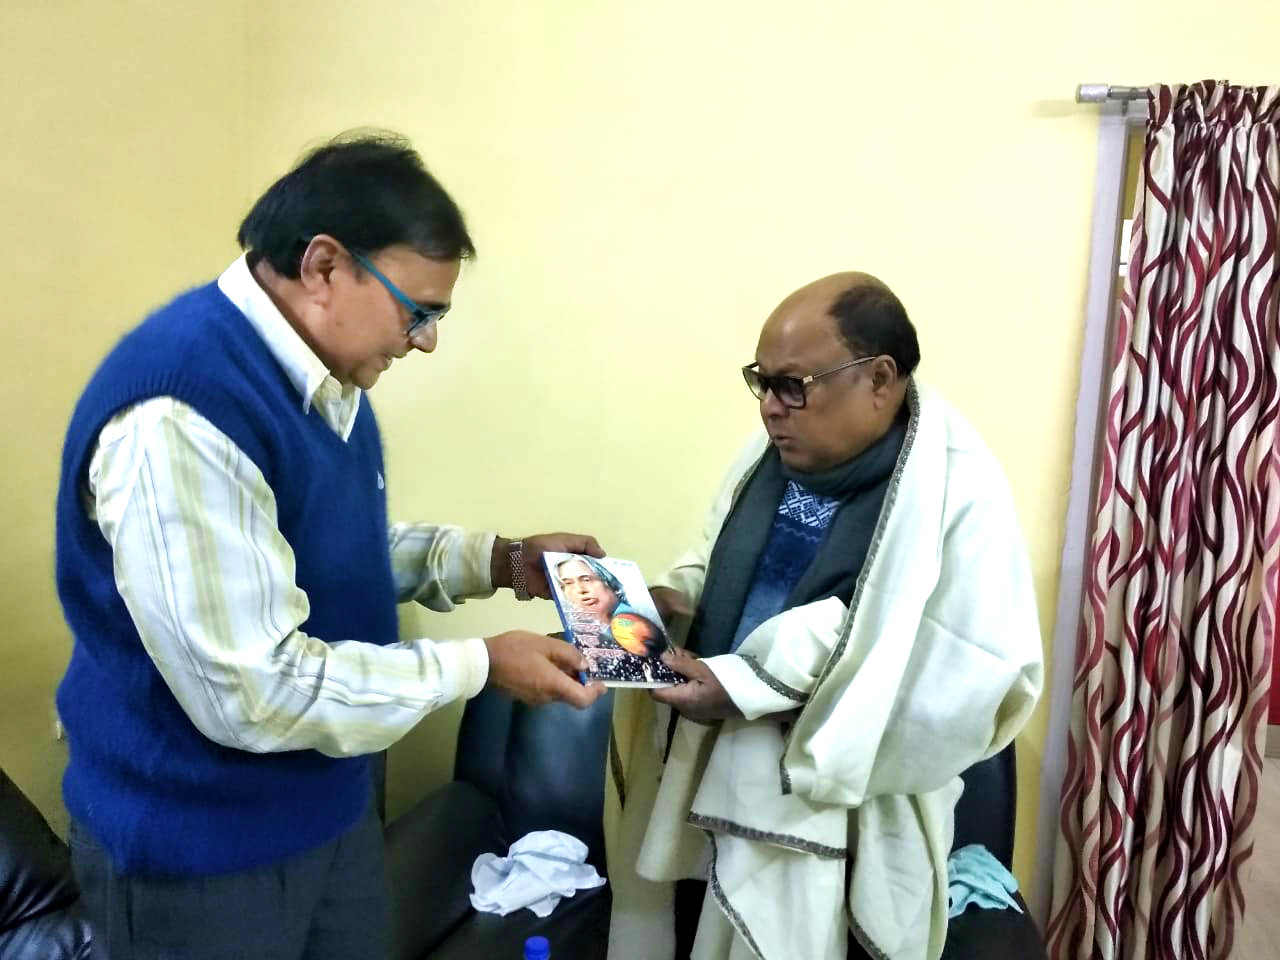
(860, 627)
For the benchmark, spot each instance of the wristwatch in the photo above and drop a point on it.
(515, 556)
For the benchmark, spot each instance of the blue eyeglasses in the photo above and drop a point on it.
(419, 315)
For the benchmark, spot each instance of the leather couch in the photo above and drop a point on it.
(520, 769)
(40, 916)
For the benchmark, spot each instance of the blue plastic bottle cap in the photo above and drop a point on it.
(537, 948)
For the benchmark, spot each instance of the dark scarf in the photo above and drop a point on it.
(859, 484)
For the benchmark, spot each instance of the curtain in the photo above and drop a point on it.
(1173, 656)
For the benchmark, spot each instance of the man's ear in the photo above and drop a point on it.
(884, 374)
(319, 261)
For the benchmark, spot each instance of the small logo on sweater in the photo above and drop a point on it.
(381, 484)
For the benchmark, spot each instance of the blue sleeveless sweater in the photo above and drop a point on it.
(161, 797)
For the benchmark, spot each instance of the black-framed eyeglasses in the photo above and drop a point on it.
(790, 391)
(419, 316)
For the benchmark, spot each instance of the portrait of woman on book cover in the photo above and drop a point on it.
(604, 622)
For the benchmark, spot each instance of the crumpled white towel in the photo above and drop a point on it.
(539, 869)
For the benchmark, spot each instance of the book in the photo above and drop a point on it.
(608, 615)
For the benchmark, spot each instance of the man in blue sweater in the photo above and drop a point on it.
(226, 566)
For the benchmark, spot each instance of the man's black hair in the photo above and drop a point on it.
(872, 321)
(369, 191)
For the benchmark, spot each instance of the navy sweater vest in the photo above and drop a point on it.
(160, 796)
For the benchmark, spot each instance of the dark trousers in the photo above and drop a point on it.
(689, 897)
(331, 903)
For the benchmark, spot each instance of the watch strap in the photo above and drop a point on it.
(515, 556)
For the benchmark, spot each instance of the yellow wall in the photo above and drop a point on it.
(645, 182)
(121, 178)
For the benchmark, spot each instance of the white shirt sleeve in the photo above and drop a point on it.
(439, 566)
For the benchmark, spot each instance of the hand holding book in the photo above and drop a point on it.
(538, 669)
(702, 698)
(533, 547)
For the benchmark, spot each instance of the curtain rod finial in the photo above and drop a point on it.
(1102, 92)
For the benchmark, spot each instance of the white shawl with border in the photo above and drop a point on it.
(829, 806)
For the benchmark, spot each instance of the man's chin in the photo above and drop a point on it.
(795, 459)
(365, 379)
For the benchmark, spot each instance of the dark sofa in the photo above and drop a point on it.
(40, 915)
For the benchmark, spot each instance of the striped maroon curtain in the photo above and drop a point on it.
(1181, 583)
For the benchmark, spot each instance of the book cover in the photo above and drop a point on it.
(608, 614)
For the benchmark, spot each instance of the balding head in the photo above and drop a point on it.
(817, 332)
(868, 316)
(829, 288)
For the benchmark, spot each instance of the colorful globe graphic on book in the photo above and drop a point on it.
(636, 633)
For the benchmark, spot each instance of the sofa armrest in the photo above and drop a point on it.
(994, 935)
(62, 934)
(430, 850)
(35, 866)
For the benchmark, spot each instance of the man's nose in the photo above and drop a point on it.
(771, 406)
(425, 337)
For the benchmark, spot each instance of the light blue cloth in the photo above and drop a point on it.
(975, 877)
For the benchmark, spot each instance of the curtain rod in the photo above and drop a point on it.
(1101, 92)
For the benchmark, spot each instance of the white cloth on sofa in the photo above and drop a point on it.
(539, 869)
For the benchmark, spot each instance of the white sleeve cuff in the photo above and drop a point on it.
(474, 566)
(464, 668)
(752, 690)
